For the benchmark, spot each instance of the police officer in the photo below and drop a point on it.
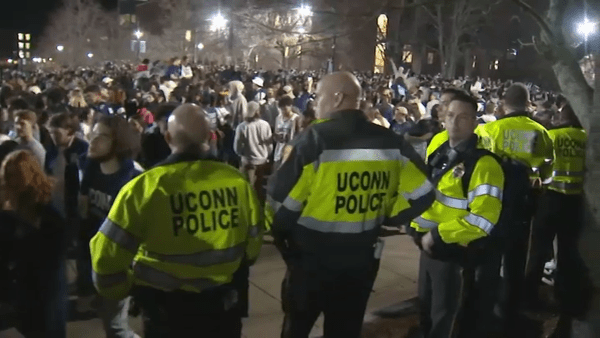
(339, 182)
(456, 221)
(517, 136)
(560, 214)
(187, 225)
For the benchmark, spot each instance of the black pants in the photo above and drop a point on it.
(310, 289)
(439, 291)
(479, 294)
(515, 259)
(185, 314)
(559, 215)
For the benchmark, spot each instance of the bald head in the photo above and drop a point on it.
(337, 91)
(187, 129)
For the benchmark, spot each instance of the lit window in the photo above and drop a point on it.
(21, 54)
(380, 48)
(28, 55)
(407, 56)
(28, 46)
(496, 64)
(27, 37)
(21, 45)
(20, 36)
(430, 57)
(188, 36)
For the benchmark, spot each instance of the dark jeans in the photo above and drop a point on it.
(210, 314)
(46, 316)
(439, 291)
(310, 289)
(256, 175)
(559, 215)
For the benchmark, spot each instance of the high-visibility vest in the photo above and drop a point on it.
(343, 178)
(568, 169)
(519, 137)
(186, 224)
(460, 219)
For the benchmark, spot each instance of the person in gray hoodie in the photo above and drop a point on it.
(253, 144)
(239, 104)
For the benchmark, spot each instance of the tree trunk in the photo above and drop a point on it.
(451, 61)
(590, 238)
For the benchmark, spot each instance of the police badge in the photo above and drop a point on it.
(459, 170)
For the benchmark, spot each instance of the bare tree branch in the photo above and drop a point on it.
(536, 17)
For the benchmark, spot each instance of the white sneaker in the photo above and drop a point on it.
(551, 265)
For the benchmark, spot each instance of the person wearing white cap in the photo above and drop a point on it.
(260, 95)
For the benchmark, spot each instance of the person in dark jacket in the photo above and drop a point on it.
(32, 245)
(64, 161)
(154, 147)
(110, 166)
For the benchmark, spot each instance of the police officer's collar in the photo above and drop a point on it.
(186, 157)
(566, 125)
(467, 145)
(515, 114)
(348, 113)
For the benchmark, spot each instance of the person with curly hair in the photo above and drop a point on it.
(32, 244)
(114, 143)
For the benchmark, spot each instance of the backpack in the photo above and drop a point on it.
(516, 200)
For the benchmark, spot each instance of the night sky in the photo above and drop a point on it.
(32, 15)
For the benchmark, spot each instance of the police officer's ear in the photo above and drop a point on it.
(338, 98)
(168, 137)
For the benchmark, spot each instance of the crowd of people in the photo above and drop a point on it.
(71, 139)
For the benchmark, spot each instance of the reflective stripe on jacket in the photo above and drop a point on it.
(461, 220)
(343, 179)
(186, 225)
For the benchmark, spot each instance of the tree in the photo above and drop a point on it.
(81, 26)
(281, 28)
(585, 100)
(456, 23)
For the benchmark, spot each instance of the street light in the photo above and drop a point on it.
(218, 22)
(138, 34)
(200, 46)
(305, 11)
(90, 55)
(60, 48)
(586, 28)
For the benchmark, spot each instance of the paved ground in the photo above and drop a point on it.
(391, 307)
(395, 282)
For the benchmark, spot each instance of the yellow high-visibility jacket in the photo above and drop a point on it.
(187, 224)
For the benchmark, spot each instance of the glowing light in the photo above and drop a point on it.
(218, 22)
(586, 28)
(301, 30)
(90, 55)
(60, 48)
(305, 11)
(200, 46)
(138, 34)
